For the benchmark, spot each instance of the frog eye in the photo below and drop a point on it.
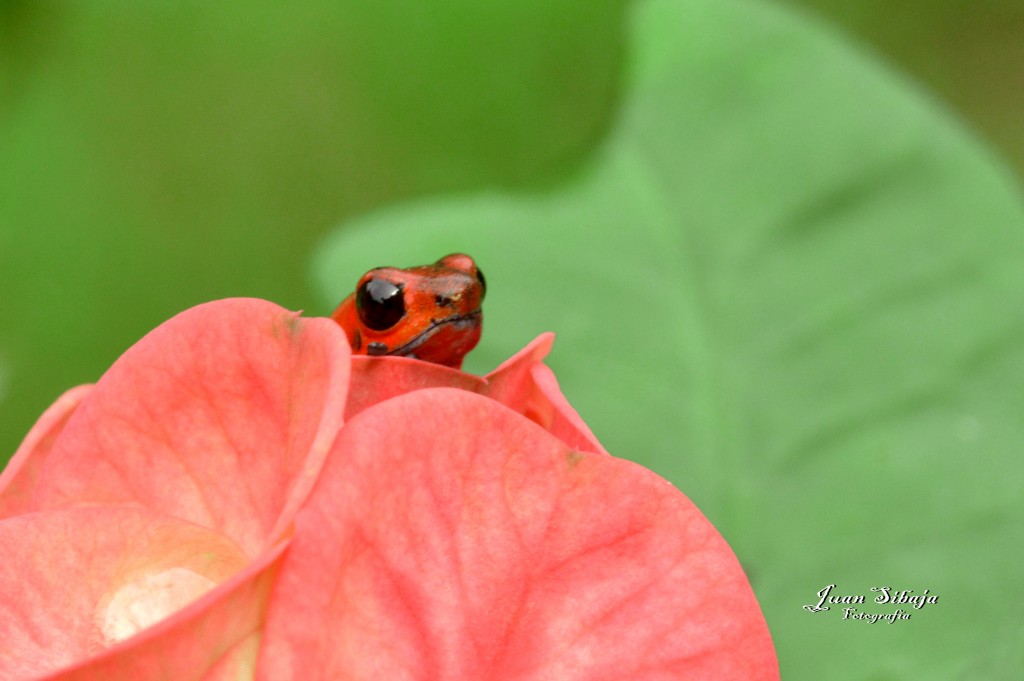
(483, 282)
(380, 304)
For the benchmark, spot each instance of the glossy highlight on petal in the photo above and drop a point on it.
(123, 593)
(148, 599)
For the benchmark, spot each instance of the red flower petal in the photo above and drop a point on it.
(528, 386)
(523, 383)
(77, 584)
(221, 416)
(375, 379)
(450, 538)
(18, 480)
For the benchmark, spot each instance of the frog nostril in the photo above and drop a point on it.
(443, 301)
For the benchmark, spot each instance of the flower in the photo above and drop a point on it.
(202, 512)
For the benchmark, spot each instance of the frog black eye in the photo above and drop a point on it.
(380, 304)
(483, 282)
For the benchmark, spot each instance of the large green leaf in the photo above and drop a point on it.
(792, 286)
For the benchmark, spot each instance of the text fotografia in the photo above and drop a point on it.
(886, 596)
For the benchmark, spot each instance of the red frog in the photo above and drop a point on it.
(431, 312)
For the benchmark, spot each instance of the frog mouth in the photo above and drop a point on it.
(457, 321)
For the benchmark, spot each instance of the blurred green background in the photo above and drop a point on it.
(154, 156)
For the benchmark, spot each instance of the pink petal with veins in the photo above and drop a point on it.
(221, 416)
(375, 379)
(451, 538)
(523, 383)
(528, 386)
